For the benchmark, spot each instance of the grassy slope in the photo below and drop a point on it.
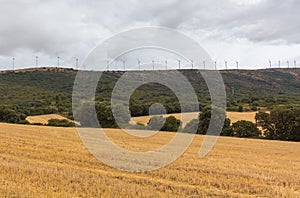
(52, 162)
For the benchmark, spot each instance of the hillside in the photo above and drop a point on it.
(49, 90)
(52, 162)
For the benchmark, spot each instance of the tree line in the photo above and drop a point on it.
(281, 123)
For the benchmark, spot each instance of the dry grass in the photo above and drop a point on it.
(43, 119)
(39, 161)
(234, 116)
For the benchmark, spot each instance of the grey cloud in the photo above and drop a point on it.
(56, 26)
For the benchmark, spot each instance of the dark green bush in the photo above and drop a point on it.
(60, 123)
(245, 128)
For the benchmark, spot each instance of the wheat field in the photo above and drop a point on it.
(43, 119)
(40, 161)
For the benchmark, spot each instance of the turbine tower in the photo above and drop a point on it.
(237, 64)
(179, 64)
(270, 63)
(124, 64)
(36, 61)
(76, 62)
(58, 61)
(13, 63)
(215, 65)
(153, 64)
(192, 62)
(295, 63)
(226, 65)
(204, 64)
(166, 64)
(288, 64)
(139, 64)
(279, 63)
(107, 65)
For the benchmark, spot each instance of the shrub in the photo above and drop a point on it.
(60, 123)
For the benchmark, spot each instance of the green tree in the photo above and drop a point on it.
(240, 109)
(85, 115)
(121, 114)
(171, 124)
(281, 124)
(227, 129)
(245, 128)
(8, 115)
(156, 123)
(261, 117)
(105, 115)
(204, 121)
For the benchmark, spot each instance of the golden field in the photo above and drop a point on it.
(40, 161)
(43, 119)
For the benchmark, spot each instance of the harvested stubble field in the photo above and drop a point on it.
(40, 161)
(43, 119)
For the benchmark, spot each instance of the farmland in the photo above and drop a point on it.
(52, 162)
(43, 119)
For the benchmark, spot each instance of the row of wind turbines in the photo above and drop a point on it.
(279, 64)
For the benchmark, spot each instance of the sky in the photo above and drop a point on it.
(249, 31)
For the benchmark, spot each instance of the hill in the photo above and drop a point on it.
(52, 162)
(49, 90)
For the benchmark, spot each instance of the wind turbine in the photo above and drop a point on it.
(124, 64)
(226, 65)
(215, 65)
(58, 61)
(13, 63)
(270, 63)
(76, 62)
(204, 64)
(279, 63)
(288, 64)
(139, 64)
(36, 61)
(295, 63)
(153, 64)
(192, 62)
(179, 64)
(166, 64)
(237, 64)
(107, 65)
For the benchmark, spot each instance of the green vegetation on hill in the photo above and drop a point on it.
(47, 91)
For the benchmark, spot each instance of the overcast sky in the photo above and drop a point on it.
(250, 31)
